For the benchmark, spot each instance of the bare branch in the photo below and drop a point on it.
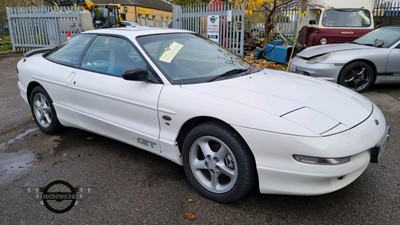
(283, 4)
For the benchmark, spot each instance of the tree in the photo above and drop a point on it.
(188, 2)
(268, 7)
(13, 3)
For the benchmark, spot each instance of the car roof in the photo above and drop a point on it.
(133, 32)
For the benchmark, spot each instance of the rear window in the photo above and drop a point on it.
(70, 51)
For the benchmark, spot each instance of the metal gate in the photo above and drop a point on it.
(222, 22)
(43, 26)
(386, 13)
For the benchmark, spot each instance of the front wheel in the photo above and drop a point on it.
(217, 163)
(43, 111)
(358, 76)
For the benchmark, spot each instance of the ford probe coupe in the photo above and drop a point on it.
(230, 125)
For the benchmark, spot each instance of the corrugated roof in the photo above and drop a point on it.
(153, 4)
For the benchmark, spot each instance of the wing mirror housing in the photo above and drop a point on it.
(136, 74)
(378, 43)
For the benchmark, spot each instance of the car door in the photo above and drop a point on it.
(107, 104)
(393, 65)
(59, 69)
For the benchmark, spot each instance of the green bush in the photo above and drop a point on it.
(5, 47)
(5, 43)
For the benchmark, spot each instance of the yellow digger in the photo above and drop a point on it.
(103, 15)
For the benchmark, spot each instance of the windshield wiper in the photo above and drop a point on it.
(358, 43)
(354, 42)
(253, 69)
(228, 73)
(366, 44)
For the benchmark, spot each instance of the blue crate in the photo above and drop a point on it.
(276, 53)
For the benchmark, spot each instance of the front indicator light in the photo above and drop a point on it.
(320, 160)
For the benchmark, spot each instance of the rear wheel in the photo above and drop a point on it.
(358, 76)
(43, 111)
(217, 163)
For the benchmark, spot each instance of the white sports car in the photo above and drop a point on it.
(231, 125)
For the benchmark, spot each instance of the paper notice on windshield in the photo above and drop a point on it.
(170, 52)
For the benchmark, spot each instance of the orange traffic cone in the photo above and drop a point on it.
(68, 35)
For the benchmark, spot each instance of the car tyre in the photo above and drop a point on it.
(358, 76)
(43, 111)
(218, 163)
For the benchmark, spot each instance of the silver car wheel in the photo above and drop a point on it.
(213, 164)
(357, 75)
(41, 110)
(357, 78)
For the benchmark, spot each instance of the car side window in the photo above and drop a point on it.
(71, 51)
(112, 55)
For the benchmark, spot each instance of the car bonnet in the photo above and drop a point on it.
(281, 94)
(323, 49)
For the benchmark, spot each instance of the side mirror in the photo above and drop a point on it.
(312, 22)
(378, 43)
(137, 74)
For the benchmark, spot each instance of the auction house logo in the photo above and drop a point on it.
(59, 196)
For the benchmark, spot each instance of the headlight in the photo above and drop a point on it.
(323, 41)
(320, 58)
(320, 160)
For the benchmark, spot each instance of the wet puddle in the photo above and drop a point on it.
(20, 136)
(14, 164)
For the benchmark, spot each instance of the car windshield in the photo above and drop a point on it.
(389, 36)
(186, 58)
(346, 18)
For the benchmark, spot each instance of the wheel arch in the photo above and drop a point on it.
(30, 88)
(369, 62)
(193, 122)
(250, 179)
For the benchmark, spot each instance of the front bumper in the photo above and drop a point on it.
(326, 71)
(280, 173)
(23, 92)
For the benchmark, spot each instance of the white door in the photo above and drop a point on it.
(59, 72)
(107, 104)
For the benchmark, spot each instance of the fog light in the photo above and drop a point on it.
(323, 41)
(320, 160)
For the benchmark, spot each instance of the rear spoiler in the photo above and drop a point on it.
(37, 51)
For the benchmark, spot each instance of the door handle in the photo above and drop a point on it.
(71, 77)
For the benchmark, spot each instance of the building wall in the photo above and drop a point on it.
(133, 13)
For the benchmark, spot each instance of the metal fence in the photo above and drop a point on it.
(387, 8)
(285, 20)
(386, 13)
(151, 23)
(221, 22)
(34, 27)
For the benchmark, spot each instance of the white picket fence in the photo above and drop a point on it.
(44, 26)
